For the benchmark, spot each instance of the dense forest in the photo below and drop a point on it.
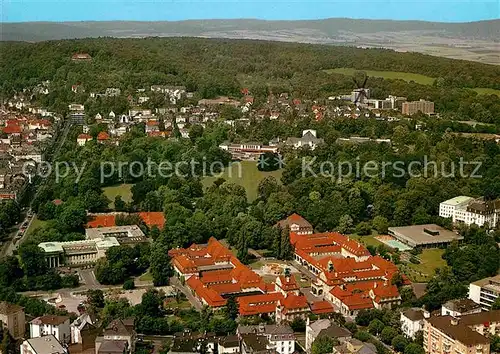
(222, 67)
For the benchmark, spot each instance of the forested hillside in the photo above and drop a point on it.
(223, 67)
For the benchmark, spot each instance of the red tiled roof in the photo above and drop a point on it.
(102, 136)
(84, 136)
(293, 302)
(259, 304)
(12, 129)
(322, 307)
(288, 283)
(211, 297)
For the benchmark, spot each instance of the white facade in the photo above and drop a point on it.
(61, 331)
(456, 209)
(485, 291)
(411, 325)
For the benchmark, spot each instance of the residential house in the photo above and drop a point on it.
(12, 318)
(280, 338)
(324, 327)
(412, 321)
(42, 345)
(121, 331)
(460, 307)
(228, 345)
(297, 224)
(193, 342)
(252, 343)
(84, 332)
(58, 326)
(355, 346)
(82, 139)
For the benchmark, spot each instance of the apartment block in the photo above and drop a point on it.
(485, 291)
(410, 108)
(465, 335)
(13, 319)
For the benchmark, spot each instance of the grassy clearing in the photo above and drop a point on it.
(419, 79)
(146, 277)
(487, 91)
(367, 240)
(124, 190)
(430, 261)
(35, 224)
(248, 176)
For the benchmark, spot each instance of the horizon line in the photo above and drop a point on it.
(254, 19)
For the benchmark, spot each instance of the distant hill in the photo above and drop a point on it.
(478, 41)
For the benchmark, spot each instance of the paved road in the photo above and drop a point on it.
(192, 300)
(9, 246)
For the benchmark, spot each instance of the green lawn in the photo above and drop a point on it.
(487, 91)
(248, 176)
(430, 261)
(420, 79)
(367, 240)
(146, 277)
(121, 189)
(35, 224)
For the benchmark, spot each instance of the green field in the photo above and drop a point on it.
(247, 176)
(367, 240)
(430, 261)
(419, 79)
(487, 91)
(121, 189)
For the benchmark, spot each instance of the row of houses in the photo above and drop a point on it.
(56, 334)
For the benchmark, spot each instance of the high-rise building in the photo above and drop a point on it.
(410, 108)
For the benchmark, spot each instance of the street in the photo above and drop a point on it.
(192, 300)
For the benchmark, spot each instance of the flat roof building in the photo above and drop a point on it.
(427, 236)
(468, 211)
(485, 291)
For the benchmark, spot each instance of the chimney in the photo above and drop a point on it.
(375, 285)
(454, 321)
(427, 314)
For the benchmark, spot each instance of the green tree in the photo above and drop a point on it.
(381, 224)
(399, 343)
(496, 304)
(414, 348)
(232, 308)
(298, 324)
(161, 268)
(95, 298)
(376, 326)
(363, 228)
(323, 345)
(387, 334)
(129, 284)
(120, 205)
(345, 224)
(32, 260)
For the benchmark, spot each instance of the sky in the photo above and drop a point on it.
(173, 10)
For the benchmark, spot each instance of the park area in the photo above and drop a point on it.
(408, 77)
(430, 259)
(245, 174)
(123, 190)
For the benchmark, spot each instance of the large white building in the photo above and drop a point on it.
(412, 321)
(485, 291)
(58, 326)
(468, 211)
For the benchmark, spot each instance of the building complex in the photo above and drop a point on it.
(468, 211)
